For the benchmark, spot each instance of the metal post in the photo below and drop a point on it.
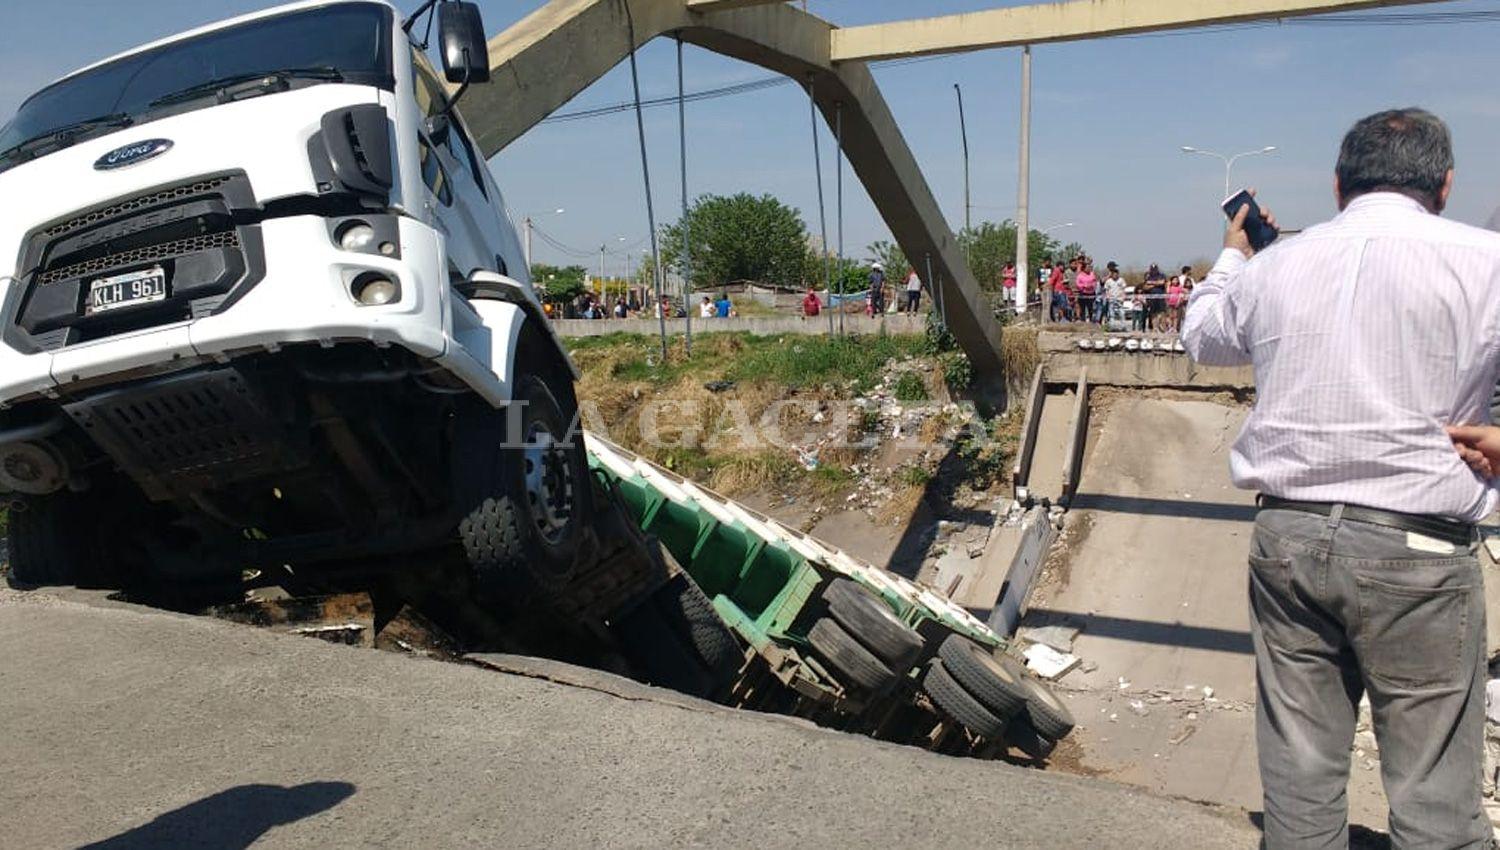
(640, 127)
(687, 241)
(1023, 190)
(963, 132)
(528, 245)
(937, 295)
(812, 109)
(603, 287)
(838, 122)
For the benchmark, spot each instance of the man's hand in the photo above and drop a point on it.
(1478, 445)
(1236, 238)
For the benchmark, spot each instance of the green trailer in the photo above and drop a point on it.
(836, 630)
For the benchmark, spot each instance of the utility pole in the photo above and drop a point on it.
(963, 132)
(1023, 189)
(603, 291)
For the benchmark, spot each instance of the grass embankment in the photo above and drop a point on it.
(780, 384)
(727, 437)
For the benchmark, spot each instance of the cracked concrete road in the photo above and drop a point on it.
(136, 728)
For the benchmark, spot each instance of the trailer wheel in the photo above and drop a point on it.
(43, 541)
(659, 654)
(958, 704)
(999, 683)
(690, 613)
(532, 488)
(873, 624)
(1047, 714)
(1024, 737)
(856, 667)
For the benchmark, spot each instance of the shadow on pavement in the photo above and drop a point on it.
(1145, 631)
(1164, 507)
(1360, 837)
(231, 819)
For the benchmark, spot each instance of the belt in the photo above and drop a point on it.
(1453, 531)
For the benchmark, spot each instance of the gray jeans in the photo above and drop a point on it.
(1339, 608)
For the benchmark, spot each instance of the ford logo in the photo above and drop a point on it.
(132, 153)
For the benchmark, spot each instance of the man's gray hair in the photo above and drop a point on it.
(1400, 150)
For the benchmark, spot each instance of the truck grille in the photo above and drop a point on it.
(140, 256)
(198, 231)
(174, 193)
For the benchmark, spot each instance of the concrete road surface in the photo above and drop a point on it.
(133, 728)
(1153, 570)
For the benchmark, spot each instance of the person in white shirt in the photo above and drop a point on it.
(1368, 334)
(913, 292)
(706, 309)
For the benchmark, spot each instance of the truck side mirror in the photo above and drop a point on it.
(466, 53)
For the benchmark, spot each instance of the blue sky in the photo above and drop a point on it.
(1109, 118)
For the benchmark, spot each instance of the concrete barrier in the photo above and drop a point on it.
(760, 326)
(1066, 362)
(1021, 472)
(1037, 535)
(1078, 436)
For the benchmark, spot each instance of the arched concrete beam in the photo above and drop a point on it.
(554, 53)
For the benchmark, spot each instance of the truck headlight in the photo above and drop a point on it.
(356, 235)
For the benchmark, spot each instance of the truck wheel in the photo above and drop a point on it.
(856, 667)
(530, 520)
(867, 618)
(43, 541)
(1047, 714)
(997, 682)
(690, 613)
(958, 704)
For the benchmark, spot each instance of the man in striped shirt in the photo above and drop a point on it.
(1369, 334)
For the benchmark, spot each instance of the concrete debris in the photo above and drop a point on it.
(1059, 636)
(1123, 682)
(1208, 692)
(1139, 708)
(1047, 662)
(1185, 734)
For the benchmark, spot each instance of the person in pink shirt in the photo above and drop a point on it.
(1176, 296)
(1008, 279)
(1087, 284)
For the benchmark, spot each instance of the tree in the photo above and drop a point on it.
(989, 246)
(558, 284)
(739, 237)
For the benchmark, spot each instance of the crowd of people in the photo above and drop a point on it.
(589, 305)
(1074, 292)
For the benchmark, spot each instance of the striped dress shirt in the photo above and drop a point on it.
(1368, 334)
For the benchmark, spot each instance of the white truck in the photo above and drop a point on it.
(262, 306)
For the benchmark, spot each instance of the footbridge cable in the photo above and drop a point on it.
(812, 109)
(687, 232)
(640, 126)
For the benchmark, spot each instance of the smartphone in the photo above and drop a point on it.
(1261, 234)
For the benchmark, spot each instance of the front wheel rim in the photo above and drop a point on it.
(550, 484)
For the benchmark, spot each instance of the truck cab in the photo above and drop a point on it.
(263, 310)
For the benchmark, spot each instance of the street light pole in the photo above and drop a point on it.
(1227, 160)
(963, 132)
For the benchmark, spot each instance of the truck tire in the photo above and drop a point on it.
(873, 624)
(43, 541)
(531, 497)
(690, 613)
(997, 682)
(856, 667)
(1050, 718)
(958, 704)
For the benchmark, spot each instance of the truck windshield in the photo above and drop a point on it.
(349, 42)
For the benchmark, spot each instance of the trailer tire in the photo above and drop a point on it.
(865, 616)
(999, 683)
(659, 654)
(690, 613)
(958, 704)
(43, 546)
(857, 668)
(1045, 711)
(1024, 737)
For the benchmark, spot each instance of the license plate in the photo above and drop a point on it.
(126, 290)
